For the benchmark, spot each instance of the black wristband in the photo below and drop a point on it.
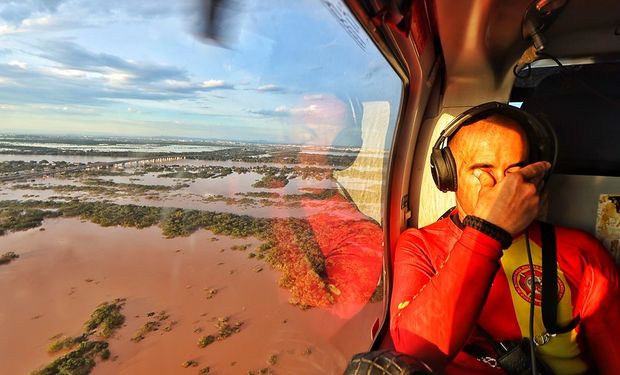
(490, 229)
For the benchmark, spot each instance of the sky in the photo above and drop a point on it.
(279, 71)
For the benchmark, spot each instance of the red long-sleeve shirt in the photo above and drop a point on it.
(448, 281)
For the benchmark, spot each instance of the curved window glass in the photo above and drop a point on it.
(190, 184)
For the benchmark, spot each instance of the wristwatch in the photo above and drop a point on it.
(490, 229)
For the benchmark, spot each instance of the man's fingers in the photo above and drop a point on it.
(535, 171)
(486, 180)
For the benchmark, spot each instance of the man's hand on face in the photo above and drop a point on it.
(514, 202)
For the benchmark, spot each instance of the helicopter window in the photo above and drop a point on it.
(190, 184)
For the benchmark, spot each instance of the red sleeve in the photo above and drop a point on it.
(434, 309)
(601, 306)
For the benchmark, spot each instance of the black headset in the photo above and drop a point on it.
(541, 140)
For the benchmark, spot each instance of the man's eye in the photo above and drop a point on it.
(487, 171)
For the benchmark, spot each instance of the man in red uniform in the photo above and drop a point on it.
(467, 277)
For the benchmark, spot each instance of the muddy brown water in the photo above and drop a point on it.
(68, 269)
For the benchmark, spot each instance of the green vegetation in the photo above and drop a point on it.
(205, 341)
(317, 194)
(224, 329)
(77, 362)
(152, 326)
(14, 219)
(275, 154)
(240, 247)
(109, 214)
(210, 293)
(259, 194)
(8, 257)
(179, 222)
(100, 186)
(66, 343)
(173, 222)
(190, 363)
(271, 180)
(13, 167)
(105, 320)
(294, 251)
(272, 360)
(217, 171)
(289, 244)
(210, 171)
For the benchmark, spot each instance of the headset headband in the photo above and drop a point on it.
(540, 135)
(541, 140)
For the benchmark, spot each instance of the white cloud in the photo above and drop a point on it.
(268, 87)
(62, 72)
(314, 97)
(213, 83)
(19, 64)
(34, 24)
(176, 84)
(8, 107)
(37, 21)
(7, 29)
(118, 78)
(312, 108)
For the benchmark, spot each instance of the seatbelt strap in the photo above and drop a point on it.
(550, 284)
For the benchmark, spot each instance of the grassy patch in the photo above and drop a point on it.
(80, 361)
(190, 363)
(224, 329)
(205, 341)
(272, 181)
(83, 351)
(259, 194)
(66, 343)
(152, 326)
(14, 219)
(106, 319)
(8, 257)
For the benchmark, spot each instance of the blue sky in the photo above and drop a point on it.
(288, 71)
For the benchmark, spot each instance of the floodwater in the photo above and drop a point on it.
(65, 271)
(143, 148)
(198, 195)
(67, 158)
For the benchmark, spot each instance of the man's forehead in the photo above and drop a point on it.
(484, 138)
(493, 122)
(488, 128)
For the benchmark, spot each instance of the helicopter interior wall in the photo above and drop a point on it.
(575, 199)
(582, 103)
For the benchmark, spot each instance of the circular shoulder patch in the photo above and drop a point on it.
(522, 282)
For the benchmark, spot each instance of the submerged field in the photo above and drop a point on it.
(220, 259)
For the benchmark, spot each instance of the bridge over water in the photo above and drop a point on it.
(26, 175)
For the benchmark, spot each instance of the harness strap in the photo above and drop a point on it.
(550, 284)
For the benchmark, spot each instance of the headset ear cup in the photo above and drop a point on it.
(443, 169)
(437, 167)
(450, 177)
